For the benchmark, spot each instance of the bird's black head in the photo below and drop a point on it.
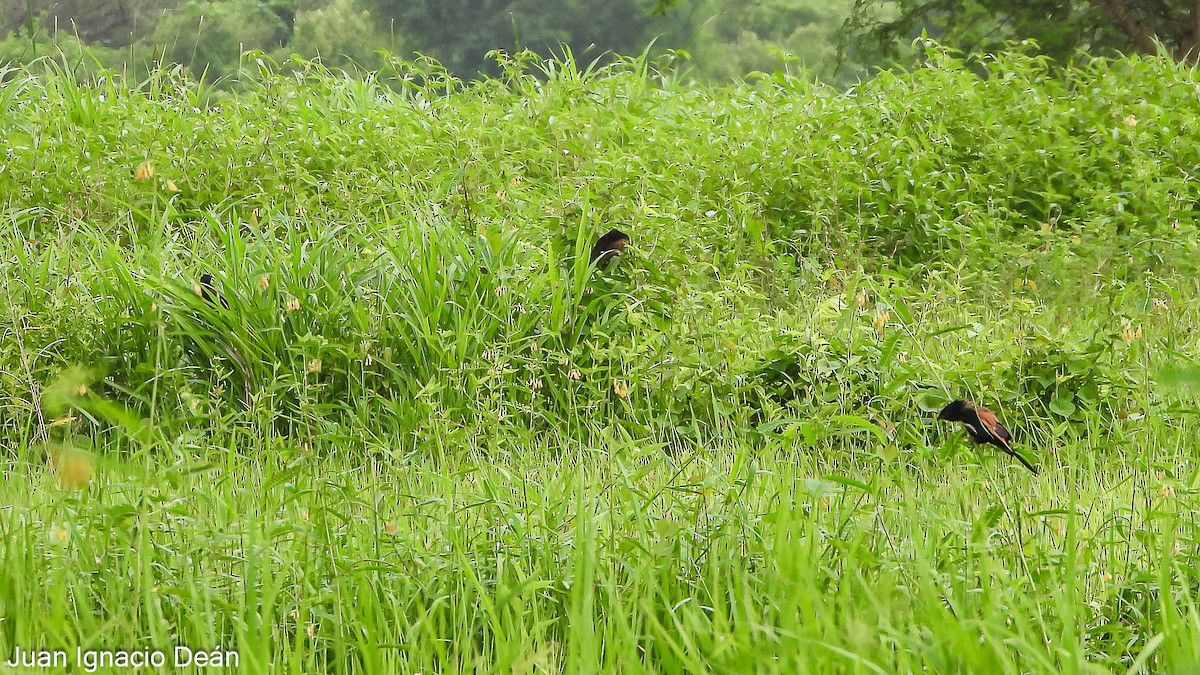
(208, 291)
(609, 245)
(957, 411)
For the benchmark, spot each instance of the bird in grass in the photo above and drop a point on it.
(208, 290)
(609, 246)
(983, 427)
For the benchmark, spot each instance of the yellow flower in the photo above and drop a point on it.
(292, 305)
(574, 374)
(861, 299)
(502, 196)
(880, 321)
(621, 388)
(314, 366)
(264, 282)
(1130, 121)
(144, 171)
(1128, 334)
(172, 187)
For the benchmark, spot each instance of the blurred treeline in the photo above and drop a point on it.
(708, 40)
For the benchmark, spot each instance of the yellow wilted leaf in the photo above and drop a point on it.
(72, 466)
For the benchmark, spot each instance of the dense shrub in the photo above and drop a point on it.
(430, 231)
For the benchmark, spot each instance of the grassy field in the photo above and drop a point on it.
(426, 436)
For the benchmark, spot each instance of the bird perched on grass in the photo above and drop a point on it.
(983, 427)
(221, 332)
(207, 289)
(609, 246)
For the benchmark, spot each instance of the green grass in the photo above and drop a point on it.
(426, 437)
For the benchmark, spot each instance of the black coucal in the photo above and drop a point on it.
(983, 427)
(609, 246)
(207, 289)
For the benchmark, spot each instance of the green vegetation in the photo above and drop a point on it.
(426, 437)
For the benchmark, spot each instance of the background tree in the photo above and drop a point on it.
(878, 30)
(727, 39)
(106, 22)
(211, 36)
(459, 33)
(110, 23)
(341, 33)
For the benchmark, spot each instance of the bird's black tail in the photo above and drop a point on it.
(1022, 460)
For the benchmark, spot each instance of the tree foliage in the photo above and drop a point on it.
(727, 39)
(102, 21)
(461, 32)
(212, 35)
(1061, 27)
(340, 33)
